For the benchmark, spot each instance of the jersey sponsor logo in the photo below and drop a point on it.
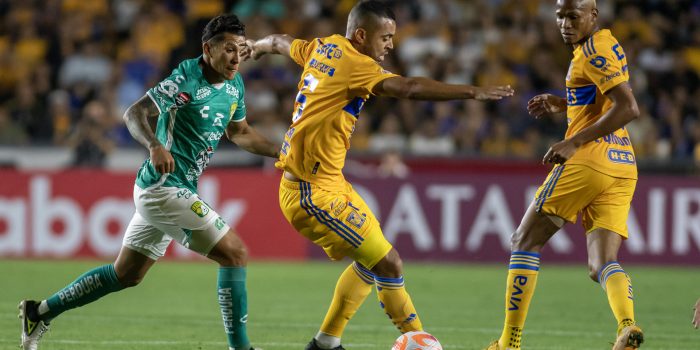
(615, 140)
(168, 87)
(621, 157)
(182, 99)
(599, 62)
(231, 90)
(184, 193)
(330, 51)
(203, 92)
(609, 77)
(337, 207)
(233, 108)
(219, 223)
(200, 209)
(213, 136)
(516, 294)
(321, 67)
(201, 162)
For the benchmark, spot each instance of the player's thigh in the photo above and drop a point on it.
(339, 222)
(609, 210)
(567, 190)
(145, 239)
(182, 216)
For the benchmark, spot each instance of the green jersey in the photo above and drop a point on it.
(193, 117)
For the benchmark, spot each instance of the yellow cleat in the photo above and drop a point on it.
(493, 346)
(630, 338)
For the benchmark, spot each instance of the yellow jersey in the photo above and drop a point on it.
(335, 83)
(598, 65)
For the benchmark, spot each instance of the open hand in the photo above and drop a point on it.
(493, 92)
(545, 104)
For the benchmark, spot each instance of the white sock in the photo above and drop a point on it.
(326, 341)
(43, 307)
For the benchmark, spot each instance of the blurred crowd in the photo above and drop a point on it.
(70, 68)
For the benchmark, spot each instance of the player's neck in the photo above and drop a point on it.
(212, 76)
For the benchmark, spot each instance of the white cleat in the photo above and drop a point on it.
(31, 331)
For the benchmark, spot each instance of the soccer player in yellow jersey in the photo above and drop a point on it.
(595, 175)
(340, 73)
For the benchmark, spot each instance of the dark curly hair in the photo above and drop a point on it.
(228, 23)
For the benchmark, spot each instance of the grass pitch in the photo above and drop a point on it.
(462, 305)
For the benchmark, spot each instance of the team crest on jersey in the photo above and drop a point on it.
(182, 99)
(355, 219)
(203, 92)
(200, 209)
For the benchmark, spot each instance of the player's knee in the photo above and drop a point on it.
(236, 256)
(130, 279)
(390, 266)
(593, 270)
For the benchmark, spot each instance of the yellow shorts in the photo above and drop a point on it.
(338, 221)
(603, 200)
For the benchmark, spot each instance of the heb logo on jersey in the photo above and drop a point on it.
(203, 92)
(620, 156)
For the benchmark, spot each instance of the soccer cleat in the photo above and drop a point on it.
(31, 331)
(493, 346)
(630, 338)
(313, 346)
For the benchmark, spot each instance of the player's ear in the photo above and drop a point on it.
(360, 35)
(594, 12)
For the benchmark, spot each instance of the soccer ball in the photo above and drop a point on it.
(417, 340)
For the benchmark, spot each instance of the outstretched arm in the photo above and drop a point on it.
(418, 88)
(623, 111)
(136, 119)
(250, 140)
(275, 43)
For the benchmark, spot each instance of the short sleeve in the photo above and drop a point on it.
(238, 108)
(300, 50)
(366, 75)
(606, 65)
(172, 91)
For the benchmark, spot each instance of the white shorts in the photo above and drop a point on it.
(164, 214)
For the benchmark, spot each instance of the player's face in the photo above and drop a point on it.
(224, 54)
(576, 20)
(380, 39)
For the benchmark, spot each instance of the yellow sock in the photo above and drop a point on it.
(353, 286)
(397, 304)
(618, 287)
(520, 287)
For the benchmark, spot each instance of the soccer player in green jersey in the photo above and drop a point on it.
(201, 101)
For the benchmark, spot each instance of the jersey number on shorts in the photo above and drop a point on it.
(311, 83)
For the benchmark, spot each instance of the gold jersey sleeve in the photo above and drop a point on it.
(335, 83)
(599, 64)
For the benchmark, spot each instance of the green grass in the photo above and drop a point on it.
(462, 305)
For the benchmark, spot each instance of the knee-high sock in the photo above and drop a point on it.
(618, 286)
(353, 286)
(520, 287)
(87, 288)
(233, 301)
(397, 304)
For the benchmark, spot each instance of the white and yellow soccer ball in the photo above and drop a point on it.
(417, 340)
